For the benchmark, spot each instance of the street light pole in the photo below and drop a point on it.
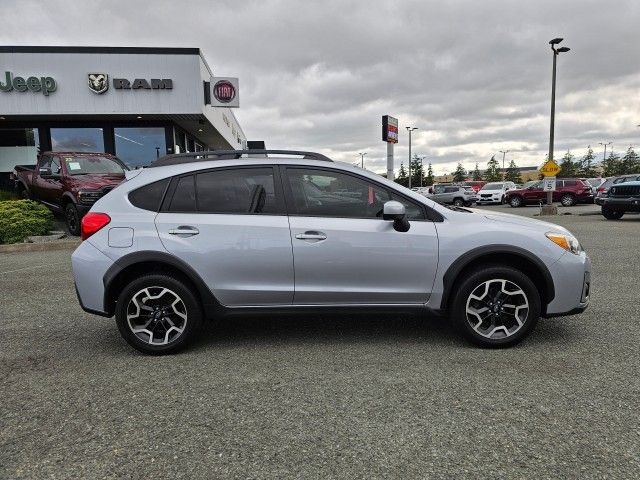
(553, 44)
(503, 152)
(362, 159)
(605, 149)
(410, 129)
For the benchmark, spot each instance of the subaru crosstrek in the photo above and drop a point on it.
(201, 235)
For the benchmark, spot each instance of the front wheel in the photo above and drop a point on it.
(611, 214)
(458, 202)
(72, 217)
(568, 200)
(515, 201)
(496, 306)
(158, 314)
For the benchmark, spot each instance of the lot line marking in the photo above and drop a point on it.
(35, 266)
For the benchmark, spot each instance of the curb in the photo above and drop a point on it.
(39, 247)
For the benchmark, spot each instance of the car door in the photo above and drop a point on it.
(230, 226)
(534, 193)
(51, 188)
(438, 194)
(344, 252)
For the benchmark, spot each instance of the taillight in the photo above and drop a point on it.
(92, 222)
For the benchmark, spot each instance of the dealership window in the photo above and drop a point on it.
(77, 139)
(18, 146)
(140, 146)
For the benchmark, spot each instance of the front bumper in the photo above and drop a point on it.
(628, 204)
(572, 281)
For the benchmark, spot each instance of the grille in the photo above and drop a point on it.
(90, 197)
(486, 195)
(625, 191)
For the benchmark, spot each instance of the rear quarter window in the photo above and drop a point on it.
(150, 196)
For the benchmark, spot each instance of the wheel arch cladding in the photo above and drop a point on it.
(501, 255)
(137, 264)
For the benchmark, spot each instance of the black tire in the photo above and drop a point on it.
(515, 201)
(458, 202)
(475, 280)
(72, 218)
(23, 193)
(568, 200)
(611, 214)
(192, 310)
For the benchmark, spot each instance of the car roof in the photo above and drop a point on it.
(630, 184)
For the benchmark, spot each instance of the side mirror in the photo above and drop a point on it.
(45, 172)
(395, 211)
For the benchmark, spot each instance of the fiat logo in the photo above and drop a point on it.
(224, 91)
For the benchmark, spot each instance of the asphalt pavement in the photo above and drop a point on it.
(322, 397)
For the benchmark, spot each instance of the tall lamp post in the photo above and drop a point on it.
(410, 129)
(605, 149)
(362, 159)
(556, 51)
(504, 153)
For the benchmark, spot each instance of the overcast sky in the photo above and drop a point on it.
(473, 76)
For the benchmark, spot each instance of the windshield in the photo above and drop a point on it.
(492, 186)
(83, 165)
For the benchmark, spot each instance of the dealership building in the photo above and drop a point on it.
(136, 103)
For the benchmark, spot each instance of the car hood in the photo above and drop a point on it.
(95, 182)
(531, 223)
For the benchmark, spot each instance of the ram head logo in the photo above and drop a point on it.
(98, 82)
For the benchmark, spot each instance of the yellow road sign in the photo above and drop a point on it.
(549, 169)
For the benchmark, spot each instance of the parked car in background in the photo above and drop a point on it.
(603, 190)
(494, 192)
(457, 195)
(69, 182)
(475, 184)
(202, 235)
(569, 192)
(622, 197)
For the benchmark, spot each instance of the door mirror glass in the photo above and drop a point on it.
(395, 211)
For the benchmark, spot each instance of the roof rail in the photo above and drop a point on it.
(178, 158)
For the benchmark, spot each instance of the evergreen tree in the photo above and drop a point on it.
(568, 169)
(403, 178)
(586, 167)
(460, 175)
(417, 171)
(630, 163)
(512, 174)
(611, 166)
(429, 178)
(476, 176)
(492, 173)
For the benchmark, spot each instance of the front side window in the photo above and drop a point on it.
(570, 183)
(242, 190)
(450, 189)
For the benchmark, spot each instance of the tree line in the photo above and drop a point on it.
(570, 167)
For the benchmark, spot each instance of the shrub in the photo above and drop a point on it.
(22, 218)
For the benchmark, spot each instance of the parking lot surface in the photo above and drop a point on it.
(323, 397)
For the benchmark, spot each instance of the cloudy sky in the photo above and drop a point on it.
(473, 76)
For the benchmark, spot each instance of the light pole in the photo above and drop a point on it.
(504, 153)
(410, 129)
(605, 149)
(556, 51)
(362, 159)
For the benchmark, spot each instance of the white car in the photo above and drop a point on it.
(494, 192)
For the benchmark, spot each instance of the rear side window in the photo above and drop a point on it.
(450, 189)
(149, 196)
(570, 183)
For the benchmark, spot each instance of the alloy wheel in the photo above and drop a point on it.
(497, 309)
(515, 201)
(73, 223)
(156, 315)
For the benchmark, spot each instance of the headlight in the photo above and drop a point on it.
(568, 242)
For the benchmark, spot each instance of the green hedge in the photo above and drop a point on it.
(22, 218)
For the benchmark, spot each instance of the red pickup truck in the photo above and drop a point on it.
(69, 182)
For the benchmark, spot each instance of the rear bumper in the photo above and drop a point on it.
(89, 266)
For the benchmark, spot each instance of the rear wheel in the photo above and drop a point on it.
(458, 202)
(611, 214)
(515, 201)
(496, 306)
(72, 217)
(157, 314)
(568, 200)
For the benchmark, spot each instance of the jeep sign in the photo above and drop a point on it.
(45, 85)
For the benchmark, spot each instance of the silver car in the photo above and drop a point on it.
(458, 195)
(199, 236)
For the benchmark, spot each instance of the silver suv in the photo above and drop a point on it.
(197, 236)
(457, 195)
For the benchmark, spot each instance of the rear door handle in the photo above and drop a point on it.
(311, 235)
(184, 230)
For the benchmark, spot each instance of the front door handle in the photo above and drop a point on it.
(311, 235)
(184, 230)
